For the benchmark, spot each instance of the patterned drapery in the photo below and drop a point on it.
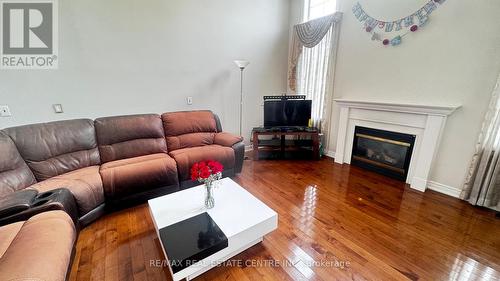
(482, 184)
(308, 35)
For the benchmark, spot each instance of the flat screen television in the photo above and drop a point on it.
(287, 113)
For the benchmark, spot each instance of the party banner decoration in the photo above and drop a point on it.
(404, 25)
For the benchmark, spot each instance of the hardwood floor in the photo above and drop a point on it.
(336, 222)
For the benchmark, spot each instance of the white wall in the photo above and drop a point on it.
(125, 57)
(454, 59)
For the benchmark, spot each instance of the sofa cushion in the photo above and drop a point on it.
(122, 137)
(85, 184)
(190, 140)
(8, 234)
(186, 157)
(55, 148)
(37, 249)
(14, 173)
(189, 129)
(126, 177)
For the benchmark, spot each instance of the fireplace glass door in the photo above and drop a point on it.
(385, 152)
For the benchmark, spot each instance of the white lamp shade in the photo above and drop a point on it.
(241, 63)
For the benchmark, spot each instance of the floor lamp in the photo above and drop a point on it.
(241, 64)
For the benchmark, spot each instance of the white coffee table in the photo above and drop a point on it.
(243, 218)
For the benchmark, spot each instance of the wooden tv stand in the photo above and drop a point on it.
(282, 144)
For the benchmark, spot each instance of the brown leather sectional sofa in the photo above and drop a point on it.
(108, 162)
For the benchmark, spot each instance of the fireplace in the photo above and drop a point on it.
(424, 121)
(384, 152)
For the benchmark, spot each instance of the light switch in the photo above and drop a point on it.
(58, 108)
(5, 111)
(189, 100)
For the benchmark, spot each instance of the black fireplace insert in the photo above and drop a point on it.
(384, 152)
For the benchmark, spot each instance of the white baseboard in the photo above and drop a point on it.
(330, 153)
(418, 184)
(445, 189)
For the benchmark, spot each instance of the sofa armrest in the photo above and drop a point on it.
(226, 139)
(239, 156)
(28, 203)
(16, 202)
(236, 143)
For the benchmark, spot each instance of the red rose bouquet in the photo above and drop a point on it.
(207, 172)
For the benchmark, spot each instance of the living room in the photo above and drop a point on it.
(249, 140)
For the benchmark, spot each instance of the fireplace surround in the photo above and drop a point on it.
(425, 122)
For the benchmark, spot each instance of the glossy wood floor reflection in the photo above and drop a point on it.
(335, 223)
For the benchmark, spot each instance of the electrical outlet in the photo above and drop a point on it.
(57, 108)
(5, 111)
(189, 100)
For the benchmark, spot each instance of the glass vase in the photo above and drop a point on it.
(209, 196)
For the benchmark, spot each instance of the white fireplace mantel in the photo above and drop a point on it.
(426, 122)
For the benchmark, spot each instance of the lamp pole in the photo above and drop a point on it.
(241, 64)
(241, 97)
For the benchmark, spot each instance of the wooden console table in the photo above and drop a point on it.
(282, 144)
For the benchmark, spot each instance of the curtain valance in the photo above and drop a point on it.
(308, 35)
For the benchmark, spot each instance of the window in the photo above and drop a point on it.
(314, 65)
(317, 8)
